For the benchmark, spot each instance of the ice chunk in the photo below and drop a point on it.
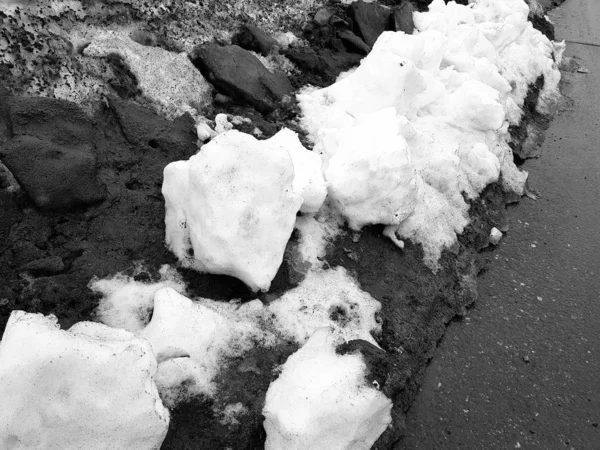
(89, 387)
(321, 401)
(231, 208)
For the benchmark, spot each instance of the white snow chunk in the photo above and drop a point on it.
(231, 208)
(126, 303)
(308, 177)
(321, 401)
(368, 171)
(90, 387)
(197, 336)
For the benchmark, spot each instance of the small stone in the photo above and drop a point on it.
(371, 19)
(250, 37)
(221, 99)
(45, 266)
(222, 124)
(403, 17)
(495, 236)
(203, 131)
(323, 15)
(583, 70)
(354, 42)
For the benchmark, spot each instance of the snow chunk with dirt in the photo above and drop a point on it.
(89, 387)
(193, 338)
(231, 208)
(327, 298)
(321, 400)
(424, 119)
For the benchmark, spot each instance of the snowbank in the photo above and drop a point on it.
(231, 208)
(89, 387)
(425, 118)
(321, 401)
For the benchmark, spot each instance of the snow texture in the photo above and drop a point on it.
(231, 208)
(89, 387)
(425, 118)
(321, 401)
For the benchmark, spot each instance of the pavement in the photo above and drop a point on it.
(522, 369)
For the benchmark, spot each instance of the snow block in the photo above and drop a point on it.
(89, 387)
(231, 208)
(321, 400)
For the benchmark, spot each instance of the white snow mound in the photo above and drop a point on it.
(231, 208)
(89, 387)
(424, 119)
(321, 401)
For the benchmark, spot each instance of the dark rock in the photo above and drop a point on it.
(46, 266)
(9, 216)
(403, 17)
(371, 19)
(378, 362)
(354, 42)
(51, 153)
(323, 15)
(143, 38)
(123, 80)
(321, 67)
(237, 73)
(250, 37)
(147, 130)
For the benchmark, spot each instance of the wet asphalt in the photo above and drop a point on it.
(522, 369)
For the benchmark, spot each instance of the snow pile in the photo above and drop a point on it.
(425, 118)
(192, 339)
(321, 401)
(231, 208)
(90, 387)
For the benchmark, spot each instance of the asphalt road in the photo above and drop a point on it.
(523, 369)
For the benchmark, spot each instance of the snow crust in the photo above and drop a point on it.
(321, 401)
(231, 208)
(425, 118)
(89, 387)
